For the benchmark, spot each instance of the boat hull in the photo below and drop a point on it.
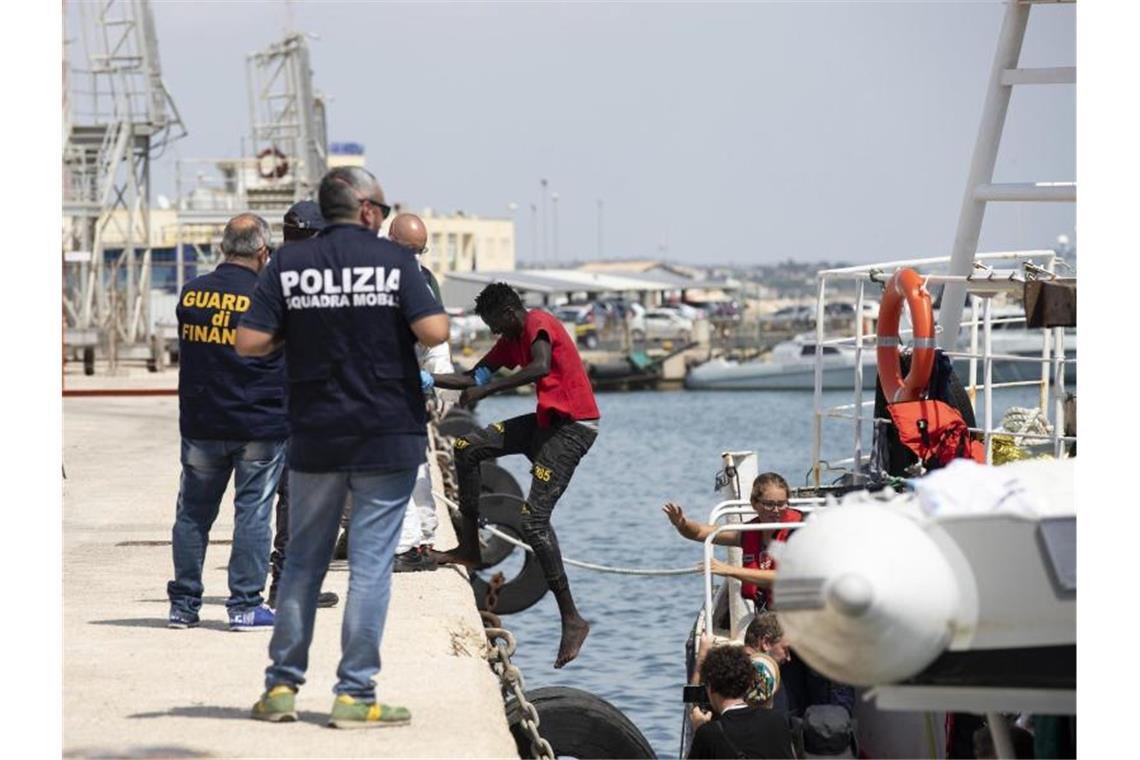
(771, 376)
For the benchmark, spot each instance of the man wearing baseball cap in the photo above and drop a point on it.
(302, 221)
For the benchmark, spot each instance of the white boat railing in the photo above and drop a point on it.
(982, 286)
(709, 546)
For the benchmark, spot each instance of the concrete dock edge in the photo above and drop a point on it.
(132, 687)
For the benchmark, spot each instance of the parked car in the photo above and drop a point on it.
(582, 320)
(663, 324)
(465, 328)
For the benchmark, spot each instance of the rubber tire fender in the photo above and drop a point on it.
(496, 480)
(578, 724)
(458, 421)
(525, 589)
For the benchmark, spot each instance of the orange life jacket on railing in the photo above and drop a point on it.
(935, 432)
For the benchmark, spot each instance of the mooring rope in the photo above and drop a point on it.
(575, 562)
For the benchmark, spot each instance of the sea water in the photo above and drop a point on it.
(654, 447)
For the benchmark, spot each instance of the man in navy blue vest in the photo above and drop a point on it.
(349, 308)
(233, 421)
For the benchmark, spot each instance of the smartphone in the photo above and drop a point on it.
(697, 695)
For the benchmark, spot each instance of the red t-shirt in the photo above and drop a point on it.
(756, 556)
(565, 390)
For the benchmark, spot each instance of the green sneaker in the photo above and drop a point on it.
(276, 705)
(351, 713)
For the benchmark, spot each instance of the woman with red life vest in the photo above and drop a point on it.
(769, 498)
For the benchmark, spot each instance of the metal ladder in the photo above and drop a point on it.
(980, 187)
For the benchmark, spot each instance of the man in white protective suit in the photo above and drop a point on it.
(417, 535)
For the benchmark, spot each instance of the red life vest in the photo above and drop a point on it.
(936, 432)
(756, 556)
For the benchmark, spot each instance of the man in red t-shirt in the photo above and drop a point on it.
(554, 438)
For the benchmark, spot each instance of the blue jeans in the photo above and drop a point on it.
(316, 500)
(206, 469)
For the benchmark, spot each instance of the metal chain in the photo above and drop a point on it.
(503, 645)
(491, 600)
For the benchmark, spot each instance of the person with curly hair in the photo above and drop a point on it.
(554, 438)
(738, 729)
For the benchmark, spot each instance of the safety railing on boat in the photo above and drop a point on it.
(709, 547)
(984, 285)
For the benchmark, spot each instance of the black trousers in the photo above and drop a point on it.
(554, 453)
(281, 531)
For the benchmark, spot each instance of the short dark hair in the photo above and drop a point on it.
(496, 297)
(728, 671)
(768, 479)
(764, 626)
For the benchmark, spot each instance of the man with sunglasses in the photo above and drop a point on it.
(233, 422)
(348, 306)
(769, 499)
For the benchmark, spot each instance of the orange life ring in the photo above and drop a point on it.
(906, 284)
(272, 163)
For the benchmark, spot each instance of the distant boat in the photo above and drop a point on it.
(1010, 337)
(789, 367)
(791, 364)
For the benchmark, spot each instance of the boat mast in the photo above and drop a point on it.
(980, 187)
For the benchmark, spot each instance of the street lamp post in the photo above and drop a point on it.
(554, 201)
(533, 234)
(599, 228)
(542, 187)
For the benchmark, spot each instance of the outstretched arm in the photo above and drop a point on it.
(457, 381)
(538, 368)
(695, 531)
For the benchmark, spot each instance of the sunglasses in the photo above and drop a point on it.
(385, 209)
(771, 503)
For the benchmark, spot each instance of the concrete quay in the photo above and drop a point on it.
(133, 688)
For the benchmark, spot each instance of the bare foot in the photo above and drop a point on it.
(574, 632)
(456, 556)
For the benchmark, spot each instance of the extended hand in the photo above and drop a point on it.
(483, 375)
(675, 514)
(716, 567)
(699, 717)
(471, 395)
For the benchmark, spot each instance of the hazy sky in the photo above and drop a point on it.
(743, 133)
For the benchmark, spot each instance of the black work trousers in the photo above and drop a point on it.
(280, 532)
(554, 453)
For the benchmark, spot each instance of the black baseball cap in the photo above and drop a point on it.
(305, 215)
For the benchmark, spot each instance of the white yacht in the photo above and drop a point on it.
(789, 367)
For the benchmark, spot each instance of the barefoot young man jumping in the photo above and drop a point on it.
(554, 438)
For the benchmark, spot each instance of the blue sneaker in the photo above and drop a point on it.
(257, 619)
(180, 619)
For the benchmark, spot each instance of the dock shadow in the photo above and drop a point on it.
(216, 712)
(214, 600)
(212, 625)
